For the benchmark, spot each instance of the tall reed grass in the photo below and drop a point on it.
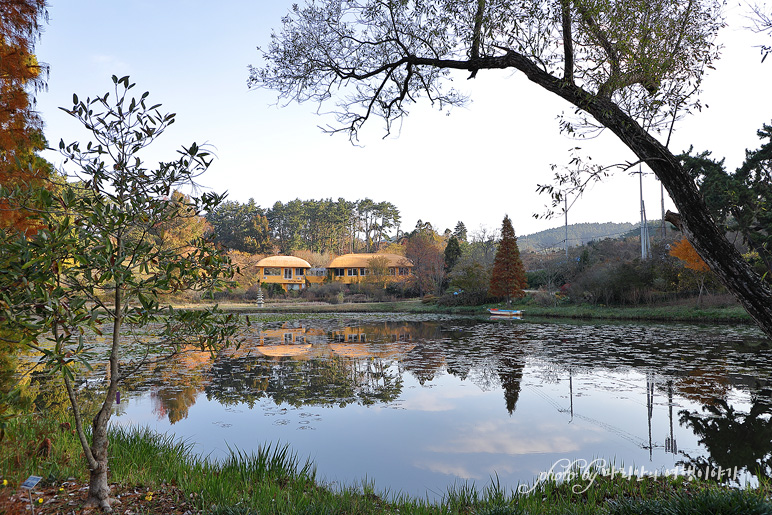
(275, 480)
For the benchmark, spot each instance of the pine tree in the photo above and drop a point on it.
(452, 253)
(460, 231)
(508, 277)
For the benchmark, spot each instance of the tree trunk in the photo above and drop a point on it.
(98, 488)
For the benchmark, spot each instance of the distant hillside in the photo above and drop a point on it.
(578, 234)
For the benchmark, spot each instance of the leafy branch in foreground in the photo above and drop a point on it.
(99, 259)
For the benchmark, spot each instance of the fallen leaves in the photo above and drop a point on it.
(70, 497)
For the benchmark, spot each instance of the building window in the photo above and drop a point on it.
(363, 271)
(404, 271)
(351, 271)
(288, 273)
(271, 271)
(299, 272)
(392, 271)
(340, 272)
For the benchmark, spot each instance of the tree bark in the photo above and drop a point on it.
(98, 488)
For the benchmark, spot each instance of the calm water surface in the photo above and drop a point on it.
(418, 404)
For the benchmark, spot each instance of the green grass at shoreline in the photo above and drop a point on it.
(274, 480)
(729, 314)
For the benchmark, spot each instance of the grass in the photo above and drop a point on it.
(275, 480)
(730, 314)
(668, 313)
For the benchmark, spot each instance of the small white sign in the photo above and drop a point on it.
(30, 482)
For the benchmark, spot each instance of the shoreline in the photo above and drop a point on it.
(715, 315)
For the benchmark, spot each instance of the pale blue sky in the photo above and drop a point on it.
(475, 165)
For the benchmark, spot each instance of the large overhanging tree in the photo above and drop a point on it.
(631, 66)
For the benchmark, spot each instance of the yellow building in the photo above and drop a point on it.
(288, 271)
(354, 268)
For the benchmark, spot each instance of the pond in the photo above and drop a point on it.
(419, 404)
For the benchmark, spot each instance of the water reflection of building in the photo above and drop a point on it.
(386, 332)
(289, 335)
(363, 350)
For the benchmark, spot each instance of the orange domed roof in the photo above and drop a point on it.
(363, 260)
(283, 261)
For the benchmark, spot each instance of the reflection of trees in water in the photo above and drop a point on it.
(510, 346)
(427, 359)
(490, 355)
(333, 380)
(384, 332)
(244, 376)
(173, 403)
(734, 438)
(705, 386)
(174, 383)
(511, 374)
(702, 364)
(375, 380)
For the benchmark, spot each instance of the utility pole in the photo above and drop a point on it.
(645, 251)
(663, 230)
(566, 207)
(565, 210)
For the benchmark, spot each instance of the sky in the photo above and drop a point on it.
(475, 164)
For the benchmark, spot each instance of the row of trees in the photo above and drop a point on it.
(323, 226)
(462, 268)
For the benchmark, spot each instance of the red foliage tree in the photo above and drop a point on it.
(684, 251)
(20, 127)
(424, 250)
(508, 277)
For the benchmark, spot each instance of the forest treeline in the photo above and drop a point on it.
(341, 226)
(454, 267)
(322, 226)
(604, 264)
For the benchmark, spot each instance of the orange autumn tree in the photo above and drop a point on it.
(21, 76)
(508, 278)
(684, 251)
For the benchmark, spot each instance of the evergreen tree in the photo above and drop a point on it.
(452, 253)
(460, 231)
(508, 277)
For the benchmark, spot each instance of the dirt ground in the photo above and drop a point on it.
(69, 498)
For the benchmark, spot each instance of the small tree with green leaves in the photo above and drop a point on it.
(508, 277)
(97, 261)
